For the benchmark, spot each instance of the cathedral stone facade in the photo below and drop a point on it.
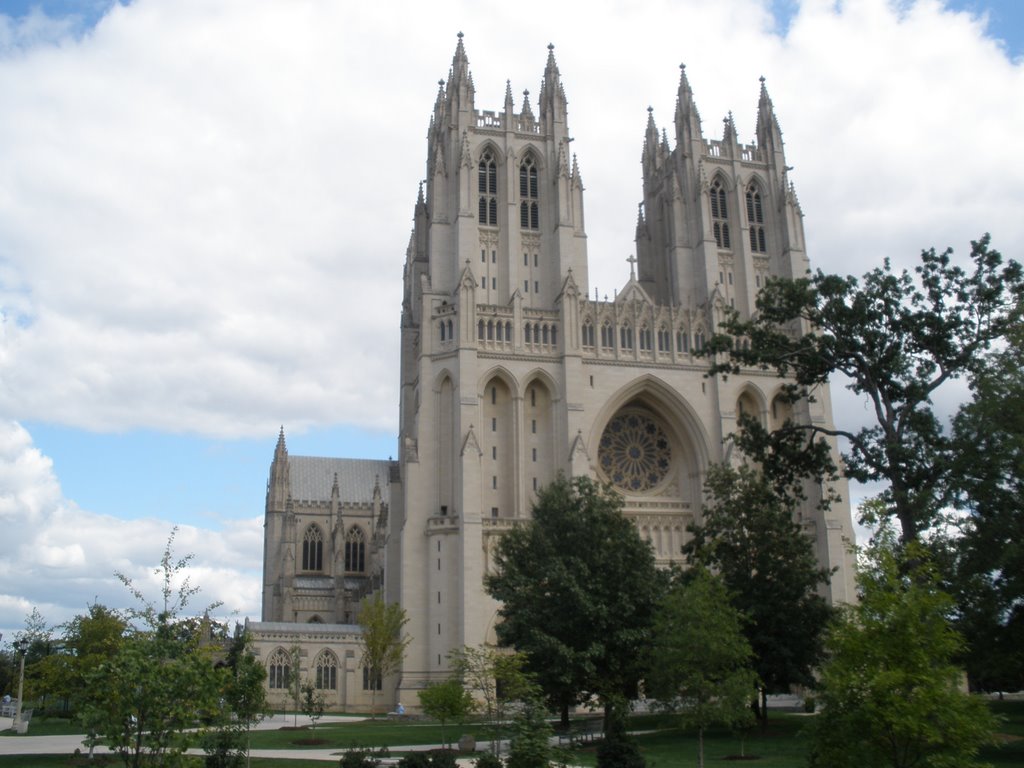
(511, 373)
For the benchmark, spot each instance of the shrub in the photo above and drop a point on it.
(361, 757)
(488, 760)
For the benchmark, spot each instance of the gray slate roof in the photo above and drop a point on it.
(312, 477)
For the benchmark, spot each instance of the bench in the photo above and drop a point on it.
(582, 732)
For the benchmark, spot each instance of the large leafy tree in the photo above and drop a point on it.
(87, 641)
(382, 641)
(578, 588)
(896, 337)
(700, 662)
(890, 688)
(987, 557)
(748, 535)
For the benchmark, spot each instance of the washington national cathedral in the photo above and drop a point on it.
(513, 372)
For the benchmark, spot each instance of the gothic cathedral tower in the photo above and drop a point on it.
(511, 373)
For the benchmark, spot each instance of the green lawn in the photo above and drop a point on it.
(665, 745)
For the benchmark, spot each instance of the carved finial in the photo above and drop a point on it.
(551, 46)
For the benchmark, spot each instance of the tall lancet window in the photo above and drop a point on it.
(755, 217)
(488, 187)
(720, 215)
(529, 215)
(313, 549)
(355, 551)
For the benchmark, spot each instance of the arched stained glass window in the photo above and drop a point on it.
(326, 665)
(355, 550)
(487, 184)
(634, 452)
(529, 213)
(755, 218)
(313, 549)
(720, 215)
(279, 669)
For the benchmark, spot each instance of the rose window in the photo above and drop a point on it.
(634, 452)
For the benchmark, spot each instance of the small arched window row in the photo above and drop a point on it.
(540, 334)
(446, 330)
(588, 334)
(494, 330)
(626, 337)
(644, 337)
(664, 340)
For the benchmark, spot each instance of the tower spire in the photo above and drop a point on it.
(651, 142)
(769, 134)
(687, 116)
(459, 90)
(552, 95)
(281, 451)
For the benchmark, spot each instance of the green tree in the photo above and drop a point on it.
(618, 749)
(35, 643)
(293, 680)
(748, 535)
(890, 691)
(577, 587)
(312, 703)
(382, 641)
(896, 337)
(445, 701)
(161, 681)
(88, 641)
(700, 662)
(240, 679)
(986, 558)
(495, 677)
(530, 745)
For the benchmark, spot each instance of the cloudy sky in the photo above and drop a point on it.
(205, 204)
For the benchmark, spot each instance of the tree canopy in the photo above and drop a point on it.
(578, 588)
(700, 661)
(985, 557)
(890, 690)
(896, 337)
(748, 535)
(382, 641)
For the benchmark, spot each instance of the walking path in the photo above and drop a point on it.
(66, 745)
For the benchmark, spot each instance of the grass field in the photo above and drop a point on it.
(664, 745)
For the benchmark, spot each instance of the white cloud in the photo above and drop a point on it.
(205, 205)
(60, 558)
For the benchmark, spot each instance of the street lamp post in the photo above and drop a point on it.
(21, 646)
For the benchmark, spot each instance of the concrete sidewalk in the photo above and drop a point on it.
(66, 745)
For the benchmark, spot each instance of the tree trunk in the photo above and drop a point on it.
(565, 717)
(700, 747)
